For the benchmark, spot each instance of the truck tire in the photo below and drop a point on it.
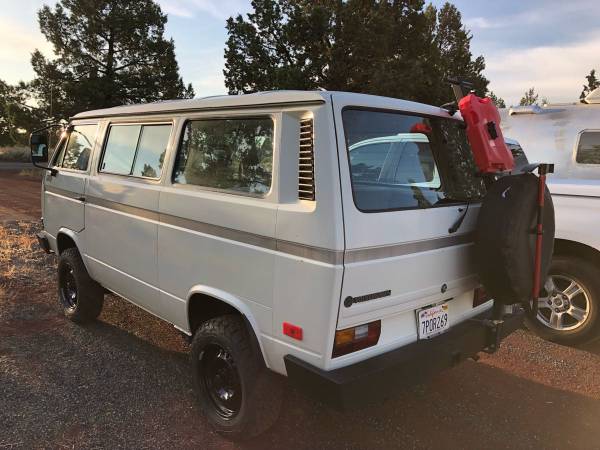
(239, 396)
(80, 296)
(505, 238)
(568, 309)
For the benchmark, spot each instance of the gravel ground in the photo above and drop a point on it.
(124, 382)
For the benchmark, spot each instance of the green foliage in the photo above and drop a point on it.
(394, 48)
(108, 53)
(17, 118)
(499, 102)
(592, 84)
(530, 97)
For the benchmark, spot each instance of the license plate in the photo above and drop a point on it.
(433, 321)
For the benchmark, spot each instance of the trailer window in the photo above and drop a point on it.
(403, 161)
(234, 155)
(588, 150)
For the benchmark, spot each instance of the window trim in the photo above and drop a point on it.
(141, 124)
(65, 139)
(221, 190)
(449, 204)
(576, 149)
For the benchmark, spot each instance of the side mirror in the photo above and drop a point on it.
(39, 148)
(38, 143)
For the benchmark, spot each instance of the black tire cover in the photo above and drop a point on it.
(505, 238)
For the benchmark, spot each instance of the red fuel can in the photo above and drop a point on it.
(483, 131)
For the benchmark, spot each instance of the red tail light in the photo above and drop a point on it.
(480, 296)
(356, 338)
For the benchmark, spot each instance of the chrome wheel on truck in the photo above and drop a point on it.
(568, 306)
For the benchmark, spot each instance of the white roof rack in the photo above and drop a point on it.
(593, 97)
(529, 109)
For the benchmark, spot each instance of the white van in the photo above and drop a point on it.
(323, 236)
(567, 135)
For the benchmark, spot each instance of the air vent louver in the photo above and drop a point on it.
(306, 167)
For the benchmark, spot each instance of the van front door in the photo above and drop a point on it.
(64, 192)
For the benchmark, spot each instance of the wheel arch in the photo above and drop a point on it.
(66, 238)
(205, 303)
(566, 247)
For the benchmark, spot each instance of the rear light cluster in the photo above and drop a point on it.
(356, 338)
(480, 297)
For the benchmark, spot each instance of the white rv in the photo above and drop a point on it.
(309, 233)
(568, 136)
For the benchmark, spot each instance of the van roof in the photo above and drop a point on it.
(212, 102)
(259, 99)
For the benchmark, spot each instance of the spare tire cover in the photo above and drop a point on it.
(505, 238)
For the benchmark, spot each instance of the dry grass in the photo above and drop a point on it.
(14, 154)
(20, 257)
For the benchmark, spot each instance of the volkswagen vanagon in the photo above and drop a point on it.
(324, 236)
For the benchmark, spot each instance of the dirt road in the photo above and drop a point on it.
(19, 196)
(124, 382)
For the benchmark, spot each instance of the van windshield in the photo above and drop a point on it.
(403, 161)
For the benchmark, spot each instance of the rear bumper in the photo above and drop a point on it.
(378, 377)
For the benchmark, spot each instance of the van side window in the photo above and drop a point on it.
(79, 147)
(229, 154)
(588, 150)
(137, 150)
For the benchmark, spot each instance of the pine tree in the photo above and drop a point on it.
(592, 83)
(530, 97)
(17, 117)
(395, 48)
(108, 53)
(498, 101)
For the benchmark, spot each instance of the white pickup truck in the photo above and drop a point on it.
(569, 137)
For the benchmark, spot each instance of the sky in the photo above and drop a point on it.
(548, 44)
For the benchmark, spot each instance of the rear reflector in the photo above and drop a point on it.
(479, 297)
(292, 331)
(356, 338)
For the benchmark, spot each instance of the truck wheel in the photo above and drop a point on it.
(569, 303)
(80, 296)
(237, 393)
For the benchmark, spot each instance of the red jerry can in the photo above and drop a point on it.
(483, 131)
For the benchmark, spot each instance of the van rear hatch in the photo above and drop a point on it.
(411, 197)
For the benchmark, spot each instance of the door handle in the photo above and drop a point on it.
(81, 199)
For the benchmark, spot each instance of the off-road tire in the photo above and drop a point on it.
(89, 294)
(586, 275)
(261, 389)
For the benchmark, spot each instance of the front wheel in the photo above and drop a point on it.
(80, 297)
(568, 308)
(237, 393)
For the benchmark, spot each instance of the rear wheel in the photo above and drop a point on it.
(238, 394)
(80, 297)
(568, 308)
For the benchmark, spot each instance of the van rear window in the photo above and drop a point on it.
(402, 161)
(227, 154)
